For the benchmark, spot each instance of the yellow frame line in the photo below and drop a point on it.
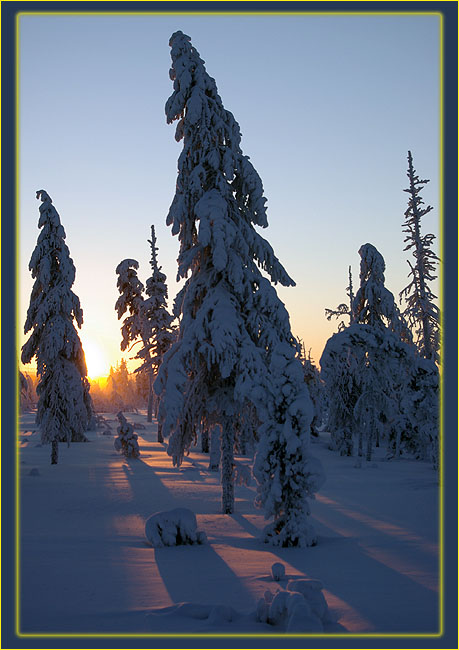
(441, 215)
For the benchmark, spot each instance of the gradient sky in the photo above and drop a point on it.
(328, 107)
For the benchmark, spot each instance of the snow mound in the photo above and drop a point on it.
(300, 608)
(278, 571)
(172, 528)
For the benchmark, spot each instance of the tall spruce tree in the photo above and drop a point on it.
(421, 312)
(158, 331)
(62, 412)
(234, 342)
(148, 322)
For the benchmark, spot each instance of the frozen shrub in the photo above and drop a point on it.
(126, 442)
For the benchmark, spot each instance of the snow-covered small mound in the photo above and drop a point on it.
(173, 527)
(278, 571)
(300, 608)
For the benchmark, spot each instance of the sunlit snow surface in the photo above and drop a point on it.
(83, 543)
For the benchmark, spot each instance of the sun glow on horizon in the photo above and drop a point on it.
(96, 359)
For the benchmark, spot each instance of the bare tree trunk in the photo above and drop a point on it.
(204, 439)
(398, 435)
(214, 460)
(160, 432)
(150, 397)
(360, 450)
(227, 459)
(370, 439)
(54, 452)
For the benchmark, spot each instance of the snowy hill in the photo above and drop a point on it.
(83, 543)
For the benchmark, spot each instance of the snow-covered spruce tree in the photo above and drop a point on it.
(421, 312)
(286, 472)
(26, 391)
(234, 340)
(343, 309)
(315, 387)
(158, 333)
(382, 380)
(131, 301)
(61, 369)
(367, 366)
(341, 391)
(420, 408)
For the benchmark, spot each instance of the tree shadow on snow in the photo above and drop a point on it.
(197, 574)
(389, 600)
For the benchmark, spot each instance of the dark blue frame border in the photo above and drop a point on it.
(450, 339)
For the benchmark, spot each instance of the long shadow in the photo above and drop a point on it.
(146, 487)
(190, 573)
(198, 574)
(388, 599)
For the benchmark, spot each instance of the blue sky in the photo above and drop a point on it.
(328, 107)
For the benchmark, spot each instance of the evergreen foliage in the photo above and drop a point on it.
(148, 321)
(234, 331)
(63, 412)
(421, 312)
(368, 366)
(126, 441)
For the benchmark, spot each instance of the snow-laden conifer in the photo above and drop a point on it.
(287, 474)
(130, 301)
(148, 321)
(315, 386)
(234, 332)
(367, 366)
(374, 305)
(158, 333)
(126, 441)
(62, 412)
(421, 311)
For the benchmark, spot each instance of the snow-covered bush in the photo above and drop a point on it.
(300, 608)
(126, 441)
(172, 528)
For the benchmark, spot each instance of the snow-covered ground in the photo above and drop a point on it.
(86, 566)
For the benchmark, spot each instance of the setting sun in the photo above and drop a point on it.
(96, 360)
